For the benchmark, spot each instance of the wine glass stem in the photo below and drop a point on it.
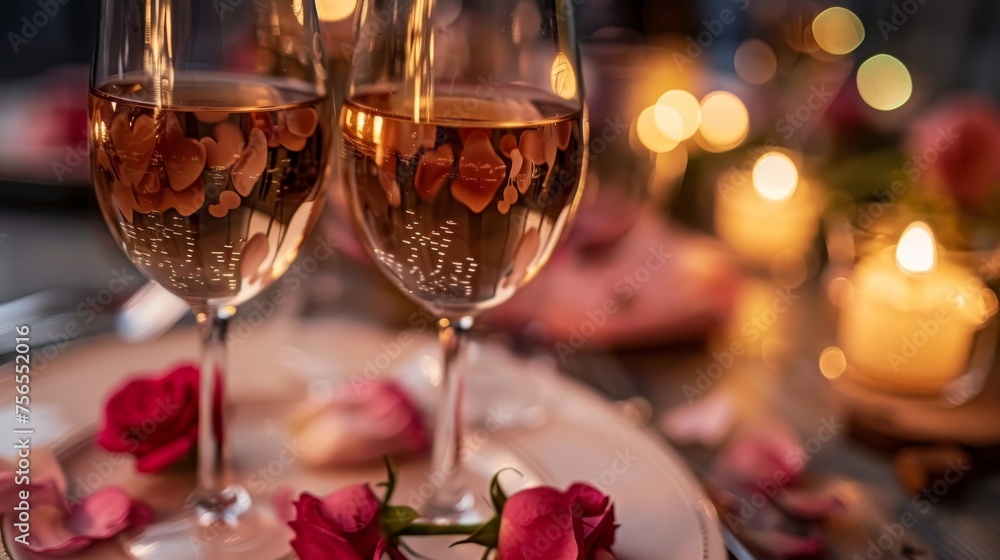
(451, 498)
(213, 472)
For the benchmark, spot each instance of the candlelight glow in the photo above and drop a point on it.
(832, 362)
(838, 31)
(917, 250)
(725, 121)
(650, 134)
(677, 104)
(884, 82)
(335, 10)
(775, 176)
(755, 61)
(563, 79)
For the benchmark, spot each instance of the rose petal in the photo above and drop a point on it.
(222, 151)
(355, 511)
(293, 142)
(184, 162)
(101, 515)
(302, 122)
(361, 426)
(168, 453)
(315, 543)
(481, 172)
(190, 200)
(250, 166)
(134, 143)
(432, 171)
(530, 513)
(532, 147)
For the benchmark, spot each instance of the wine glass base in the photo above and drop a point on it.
(241, 530)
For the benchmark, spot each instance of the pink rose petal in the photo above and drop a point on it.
(223, 150)
(250, 166)
(184, 163)
(302, 122)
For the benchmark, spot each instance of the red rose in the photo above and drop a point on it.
(578, 524)
(958, 145)
(346, 525)
(156, 419)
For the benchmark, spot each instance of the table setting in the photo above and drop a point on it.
(468, 279)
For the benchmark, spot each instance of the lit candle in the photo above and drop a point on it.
(909, 322)
(774, 213)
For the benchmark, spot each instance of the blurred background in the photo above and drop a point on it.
(747, 157)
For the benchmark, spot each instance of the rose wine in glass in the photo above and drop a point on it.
(464, 142)
(209, 130)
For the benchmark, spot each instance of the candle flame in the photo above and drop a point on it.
(775, 176)
(917, 249)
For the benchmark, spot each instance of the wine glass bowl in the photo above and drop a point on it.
(460, 214)
(210, 127)
(463, 148)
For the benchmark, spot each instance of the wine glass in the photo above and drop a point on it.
(464, 144)
(209, 130)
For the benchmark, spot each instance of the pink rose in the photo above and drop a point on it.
(58, 527)
(156, 419)
(579, 524)
(359, 426)
(346, 525)
(959, 145)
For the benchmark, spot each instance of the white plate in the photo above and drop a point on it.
(662, 512)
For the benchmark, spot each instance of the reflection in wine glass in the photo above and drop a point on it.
(209, 139)
(463, 165)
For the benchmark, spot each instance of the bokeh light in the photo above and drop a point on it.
(832, 362)
(884, 82)
(725, 121)
(838, 31)
(675, 105)
(563, 78)
(775, 176)
(650, 135)
(755, 61)
(335, 10)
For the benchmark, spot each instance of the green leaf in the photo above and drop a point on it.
(488, 535)
(497, 495)
(390, 483)
(397, 518)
